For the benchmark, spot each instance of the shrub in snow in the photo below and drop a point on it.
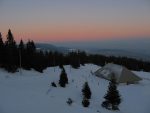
(69, 101)
(112, 98)
(86, 91)
(63, 78)
(53, 84)
(98, 111)
(72, 80)
(85, 102)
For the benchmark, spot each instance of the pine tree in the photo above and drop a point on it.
(11, 53)
(21, 50)
(33, 46)
(86, 91)
(112, 98)
(74, 60)
(1, 50)
(1, 41)
(10, 39)
(21, 45)
(63, 78)
(30, 46)
(30, 55)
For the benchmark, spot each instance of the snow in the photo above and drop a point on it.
(31, 92)
(109, 69)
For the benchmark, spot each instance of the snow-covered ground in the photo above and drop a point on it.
(31, 92)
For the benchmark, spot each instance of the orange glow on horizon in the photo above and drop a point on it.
(82, 32)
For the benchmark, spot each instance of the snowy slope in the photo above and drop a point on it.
(31, 92)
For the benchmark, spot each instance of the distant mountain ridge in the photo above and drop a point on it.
(121, 53)
(50, 47)
(106, 52)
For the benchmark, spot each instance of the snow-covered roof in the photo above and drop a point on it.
(114, 68)
(109, 69)
(121, 73)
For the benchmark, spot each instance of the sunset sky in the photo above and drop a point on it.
(75, 20)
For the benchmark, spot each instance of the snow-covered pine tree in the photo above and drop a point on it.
(86, 91)
(63, 78)
(112, 98)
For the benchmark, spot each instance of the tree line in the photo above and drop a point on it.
(27, 56)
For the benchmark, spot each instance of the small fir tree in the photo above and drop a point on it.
(112, 98)
(53, 84)
(63, 78)
(86, 91)
(69, 101)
